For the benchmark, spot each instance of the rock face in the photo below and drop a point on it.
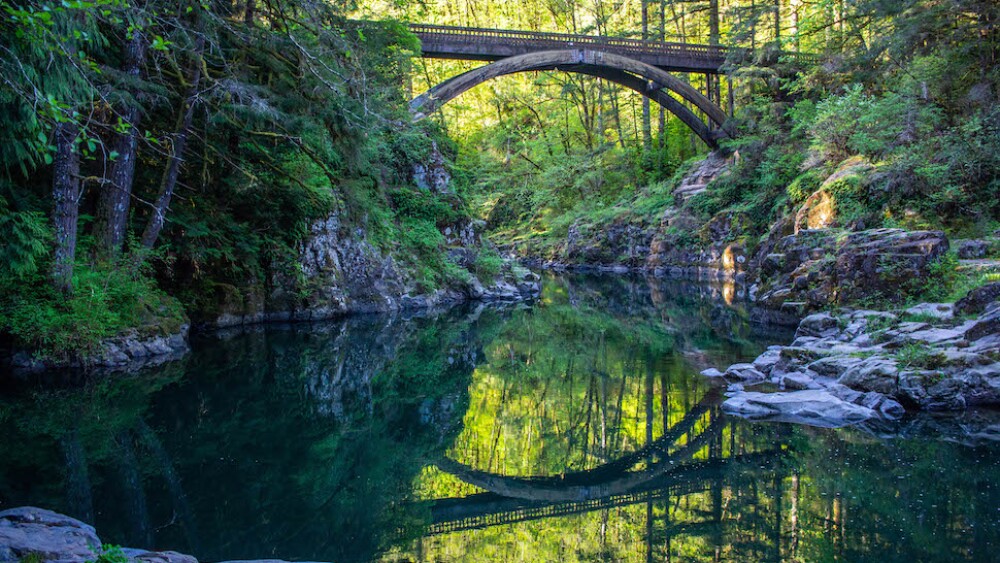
(433, 174)
(696, 181)
(342, 272)
(127, 352)
(816, 212)
(817, 268)
(723, 257)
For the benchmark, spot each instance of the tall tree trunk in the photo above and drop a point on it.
(66, 208)
(647, 134)
(172, 171)
(113, 202)
(777, 23)
(713, 22)
(662, 138)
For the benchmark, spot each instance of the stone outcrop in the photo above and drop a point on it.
(126, 352)
(697, 180)
(922, 358)
(722, 257)
(342, 272)
(817, 211)
(433, 173)
(29, 532)
(817, 268)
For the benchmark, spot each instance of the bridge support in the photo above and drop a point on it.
(628, 72)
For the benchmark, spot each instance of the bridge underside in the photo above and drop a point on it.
(650, 81)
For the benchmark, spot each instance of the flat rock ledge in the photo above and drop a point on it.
(50, 536)
(127, 352)
(847, 366)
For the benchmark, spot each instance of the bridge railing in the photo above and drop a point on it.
(717, 54)
(509, 37)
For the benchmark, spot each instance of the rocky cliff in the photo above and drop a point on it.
(811, 258)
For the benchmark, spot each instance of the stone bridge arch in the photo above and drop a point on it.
(648, 80)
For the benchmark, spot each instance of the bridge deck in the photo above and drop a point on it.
(479, 44)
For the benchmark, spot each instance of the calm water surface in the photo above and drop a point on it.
(577, 429)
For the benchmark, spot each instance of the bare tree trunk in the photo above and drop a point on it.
(113, 202)
(66, 209)
(171, 173)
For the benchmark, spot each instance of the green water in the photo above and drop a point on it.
(577, 429)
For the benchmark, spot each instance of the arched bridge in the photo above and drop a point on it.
(642, 66)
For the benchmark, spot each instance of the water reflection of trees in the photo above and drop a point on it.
(299, 442)
(590, 437)
(599, 368)
(331, 442)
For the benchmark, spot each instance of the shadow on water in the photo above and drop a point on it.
(577, 429)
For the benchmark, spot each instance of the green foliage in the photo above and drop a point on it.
(106, 302)
(943, 282)
(26, 236)
(111, 554)
(804, 185)
(919, 356)
(488, 264)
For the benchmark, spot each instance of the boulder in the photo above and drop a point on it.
(986, 325)
(834, 366)
(818, 211)
(882, 261)
(872, 374)
(797, 380)
(744, 372)
(972, 249)
(141, 556)
(812, 407)
(975, 301)
(49, 535)
(819, 325)
(766, 361)
(819, 268)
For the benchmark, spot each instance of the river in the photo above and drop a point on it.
(574, 429)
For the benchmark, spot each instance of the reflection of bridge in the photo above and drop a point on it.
(490, 509)
(661, 470)
(642, 66)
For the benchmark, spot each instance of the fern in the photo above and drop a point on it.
(26, 236)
